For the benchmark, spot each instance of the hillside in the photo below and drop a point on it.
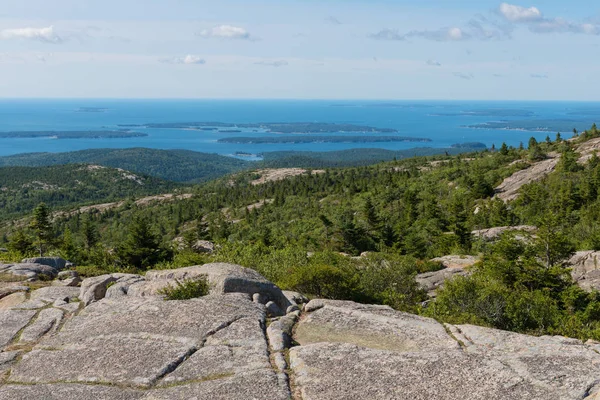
(23, 188)
(172, 165)
(364, 233)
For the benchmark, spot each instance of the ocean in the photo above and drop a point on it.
(444, 122)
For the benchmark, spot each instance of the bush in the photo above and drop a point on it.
(187, 289)
(322, 281)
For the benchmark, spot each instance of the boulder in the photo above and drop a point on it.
(457, 261)
(56, 263)
(29, 271)
(432, 281)
(52, 293)
(12, 300)
(585, 269)
(492, 234)
(68, 278)
(204, 246)
(94, 289)
(222, 277)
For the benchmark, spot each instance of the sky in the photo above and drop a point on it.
(300, 49)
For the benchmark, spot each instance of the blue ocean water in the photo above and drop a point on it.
(444, 122)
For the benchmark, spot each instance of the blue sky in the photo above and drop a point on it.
(343, 49)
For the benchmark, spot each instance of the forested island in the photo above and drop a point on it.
(72, 134)
(549, 125)
(320, 139)
(278, 127)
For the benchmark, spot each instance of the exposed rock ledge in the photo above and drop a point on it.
(224, 346)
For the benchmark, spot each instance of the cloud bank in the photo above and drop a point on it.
(187, 60)
(44, 35)
(225, 32)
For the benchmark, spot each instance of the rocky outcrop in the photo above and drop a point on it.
(585, 269)
(509, 188)
(454, 261)
(33, 269)
(222, 278)
(224, 346)
(349, 351)
(432, 281)
(492, 234)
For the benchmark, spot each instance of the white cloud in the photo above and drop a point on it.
(45, 35)
(516, 13)
(225, 32)
(333, 20)
(537, 23)
(190, 59)
(434, 63)
(277, 63)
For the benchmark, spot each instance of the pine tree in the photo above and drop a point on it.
(21, 243)
(504, 149)
(68, 246)
(90, 234)
(42, 227)
(142, 248)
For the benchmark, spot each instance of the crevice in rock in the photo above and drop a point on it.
(591, 390)
(173, 366)
(181, 360)
(279, 358)
(448, 328)
(69, 316)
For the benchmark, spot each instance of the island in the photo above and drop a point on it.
(72, 134)
(541, 125)
(319, 139)
(274, 127)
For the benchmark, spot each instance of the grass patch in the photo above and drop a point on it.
(187, 289)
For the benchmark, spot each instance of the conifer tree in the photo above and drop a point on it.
(42, 227)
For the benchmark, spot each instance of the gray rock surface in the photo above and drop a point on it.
(509, 188)
(68, 278)
(222, 277)
(490, 364)
(492, 234)
(455, 261)
(223, 346)
(586, 269)
(53, 293)
(431, 281)
(11, 323)
(94, 289)
(29, 271)
(56, 263)
(12, 300)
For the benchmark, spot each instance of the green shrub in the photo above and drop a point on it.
(186, 289)
(322, 281)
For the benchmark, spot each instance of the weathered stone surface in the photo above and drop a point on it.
(62, 391)
(94, 289)
(53, 293)
(56, 263)
(12, 300)
(509, 188)
(493, 364)
(328, 371)
(7, 359)
(273, 309)
(377, 327)
(431, 281)
(10, 289)
(586, 269)
(295, 297)
(68, 278)
(29, 271)
(280, 333)
(46, 322)
(125, 360)
(453, 261)
(222, 277)
(11, 322)
(491, 234)
(256, 385)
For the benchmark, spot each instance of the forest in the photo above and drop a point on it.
(363, 233)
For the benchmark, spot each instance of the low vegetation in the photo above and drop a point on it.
(364, 233)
